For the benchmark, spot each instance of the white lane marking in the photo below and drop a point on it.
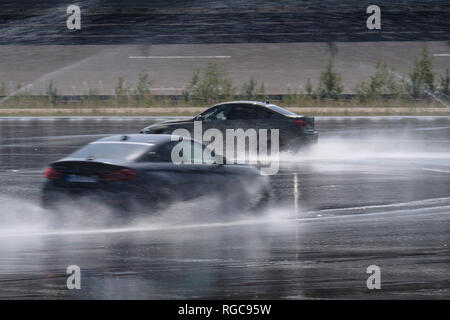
(296, 193)
(436, 170)
(400, 213)
(425, 202)
(179, 57)
(137, 229)
(441, 54)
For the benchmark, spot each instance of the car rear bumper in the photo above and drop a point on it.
(300, 141)
(53, 196)
(54, 199)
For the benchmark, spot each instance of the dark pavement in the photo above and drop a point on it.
(375, 191)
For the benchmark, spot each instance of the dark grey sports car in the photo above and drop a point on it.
(137, 170)
(294, 131)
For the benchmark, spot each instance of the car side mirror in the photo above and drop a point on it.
(198, 118)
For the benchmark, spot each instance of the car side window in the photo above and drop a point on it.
(208, 114)
(162, 154)
(265, 114)
(195, 155)
(221, 115)
(249, 112)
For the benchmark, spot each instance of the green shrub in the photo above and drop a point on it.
(382, 82)
(421, 77)
(52, 93)
(122, 89)
(309, 88)
(3, 89)
(210, 85)
(142, 90)
(444, 85)
(248, 90)
(330, 83)
(252, 90)
(261, 92)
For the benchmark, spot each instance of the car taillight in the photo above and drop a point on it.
(119, 175)
(300, 123)
(52, 174)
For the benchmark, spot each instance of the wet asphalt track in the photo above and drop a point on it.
(374, 191)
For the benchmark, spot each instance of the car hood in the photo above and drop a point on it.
(168, 123)
(174, 122)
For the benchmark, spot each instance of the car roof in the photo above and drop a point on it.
(259, 103)
(266, 105)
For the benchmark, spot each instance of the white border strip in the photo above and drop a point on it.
(179, 57)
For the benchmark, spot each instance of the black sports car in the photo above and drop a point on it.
(133, 171)
(294, 131)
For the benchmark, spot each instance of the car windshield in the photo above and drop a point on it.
(281, 110)
(208, 113)
(127, 151)
(217, 113)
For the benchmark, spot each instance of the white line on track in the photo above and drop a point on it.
(394, 214)
(441, 54)
(436, 170)
(179, 57)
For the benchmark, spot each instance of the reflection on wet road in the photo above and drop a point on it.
(373, 191)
